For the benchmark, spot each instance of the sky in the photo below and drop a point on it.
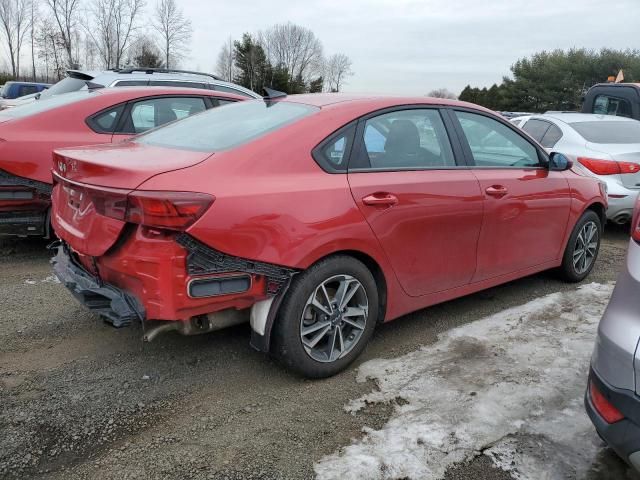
(411, 47)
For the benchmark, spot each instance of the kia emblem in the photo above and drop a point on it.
(62, 167)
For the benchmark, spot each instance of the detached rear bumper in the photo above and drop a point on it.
(24, 206)
(24, 224)
(117, 306)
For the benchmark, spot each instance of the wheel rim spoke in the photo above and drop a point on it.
(334, 318)
(586, 246)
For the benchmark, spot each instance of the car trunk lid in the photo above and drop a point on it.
(620, 152)
(92, 181)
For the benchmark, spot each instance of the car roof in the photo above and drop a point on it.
(568, 117)
(106, 77)
(133, 92)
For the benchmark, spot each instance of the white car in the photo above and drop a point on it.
(603, 146)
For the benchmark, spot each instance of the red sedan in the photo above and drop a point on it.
(314, 218)
(30, 133)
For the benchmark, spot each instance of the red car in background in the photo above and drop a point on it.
(30, 133)
(314, 218)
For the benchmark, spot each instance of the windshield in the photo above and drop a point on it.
(65, 85)
(609, 132)
(44, 104)
(226, 127)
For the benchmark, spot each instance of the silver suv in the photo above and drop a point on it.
(129, 77)
(612, 398)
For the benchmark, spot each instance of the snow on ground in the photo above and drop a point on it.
(49, 279)
(510, 386)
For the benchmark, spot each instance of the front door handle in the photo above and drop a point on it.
(380, 199)
(497, 191)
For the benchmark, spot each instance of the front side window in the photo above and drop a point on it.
(27, 90)
(176, 83)
(606, 105)
(131, 83)
(406, 139)
(222, 88)
(221, 129)
(154, 112)
(494, 144)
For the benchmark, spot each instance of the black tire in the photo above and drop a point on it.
(287, 344)
(568, 271)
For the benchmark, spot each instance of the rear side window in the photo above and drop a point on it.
(221, 88)
(27, 90)
(224, 128)
(405, 139)
(333, 153)
(131, 83)
(106, 121)
(606, 105)
(536, 128)
(608, 132)
(154, 112)
(553, 135)
(174, 83)
(494, 144)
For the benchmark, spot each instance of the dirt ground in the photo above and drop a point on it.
(80, 399)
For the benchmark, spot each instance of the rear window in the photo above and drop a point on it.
(224, 128)
(44, 104)
(609, 132)
(65, 85)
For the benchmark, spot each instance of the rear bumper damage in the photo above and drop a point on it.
(24, 206)
(115, 305)
(175, 283)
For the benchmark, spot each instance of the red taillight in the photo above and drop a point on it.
(171, 210)
(635, 222)
(608, 167)
(606, 410)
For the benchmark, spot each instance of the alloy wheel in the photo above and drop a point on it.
(586, 247)
(334, 318)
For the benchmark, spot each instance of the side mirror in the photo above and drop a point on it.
(559, 162)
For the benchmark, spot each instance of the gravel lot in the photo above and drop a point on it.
(79, 399)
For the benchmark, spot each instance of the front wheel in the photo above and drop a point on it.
(327, 317)
(582, 249)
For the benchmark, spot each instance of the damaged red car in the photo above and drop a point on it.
(29, 134)
(315, 218)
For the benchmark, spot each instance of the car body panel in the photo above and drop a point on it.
(275, 204)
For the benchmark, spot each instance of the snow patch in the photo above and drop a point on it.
(509, 385)
(49, 279)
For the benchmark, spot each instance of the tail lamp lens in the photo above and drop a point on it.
(170, 210)
(606, 410)
(608, 167)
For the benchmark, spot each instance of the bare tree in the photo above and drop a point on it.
(65, 14)
(337, 69)
(14, 22)
(49, 45)
(225, 67)
(114, 23)
(294, 49)
(442, 93)
(33, 20)
(175, 30)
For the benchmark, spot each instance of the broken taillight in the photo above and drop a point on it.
(604, 407)
(155, 209)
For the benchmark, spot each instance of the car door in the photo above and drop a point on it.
(526, 206)
(422, 203)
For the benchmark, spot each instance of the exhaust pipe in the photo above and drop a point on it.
(196, 325)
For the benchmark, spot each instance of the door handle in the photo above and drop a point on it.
(497, 191)
(380, 199)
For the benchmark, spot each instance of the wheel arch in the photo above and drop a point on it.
(599, 209)
(263, 342)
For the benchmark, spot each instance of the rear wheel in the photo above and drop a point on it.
(582, 249)
(327, 317)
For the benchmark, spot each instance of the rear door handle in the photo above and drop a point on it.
(380, 199)
(497, 191)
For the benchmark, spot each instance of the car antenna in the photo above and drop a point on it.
(271, 94)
